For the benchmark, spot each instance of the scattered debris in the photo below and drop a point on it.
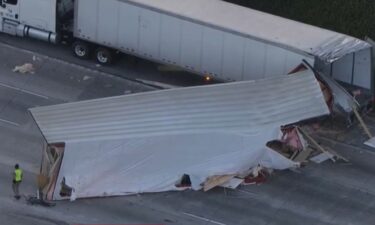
(322, 157)
(259, 179)
(365, 128)
(86, 78)
(233, 183)
(315, 143)
(302, 156)
(216, 181)
(25, 68)
(36, 58)
(370, 142)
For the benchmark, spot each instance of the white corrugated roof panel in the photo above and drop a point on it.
(259, 25)
(239, 108)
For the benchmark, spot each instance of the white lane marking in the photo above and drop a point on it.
(10, 122)
(22, 90)
(204, 219)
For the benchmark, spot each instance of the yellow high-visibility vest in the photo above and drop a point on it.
(18, 175)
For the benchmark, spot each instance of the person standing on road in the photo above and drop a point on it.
(17, 179)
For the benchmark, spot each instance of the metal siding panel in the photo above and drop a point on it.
(129, 27)
(170, 39)
(255, 54)
(275, 61)
(342, 69)
(233, 57)
(212, 51)
(362, 69)
(149, 33)
(86, 23)
(108, 22)
(191, 46)
(243, 108)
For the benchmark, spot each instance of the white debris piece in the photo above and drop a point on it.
(86, 77)
(322, 157)
(36, 58)
(25, 68)
(370, 142)
(233, 183)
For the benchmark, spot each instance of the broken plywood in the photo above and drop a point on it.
(315, 143)
(303, 155)
(216, 181)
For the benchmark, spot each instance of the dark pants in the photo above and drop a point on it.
(16, 188)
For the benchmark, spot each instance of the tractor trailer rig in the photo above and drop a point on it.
(207, 37)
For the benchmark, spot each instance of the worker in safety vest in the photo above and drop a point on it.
(17, 179)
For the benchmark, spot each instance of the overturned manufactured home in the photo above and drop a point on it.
(146, 142)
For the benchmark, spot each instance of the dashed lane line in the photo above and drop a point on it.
(204, 219)
(24, 91)
(10, 122)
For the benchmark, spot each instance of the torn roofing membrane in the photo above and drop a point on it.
(238, 107)
(145, 142)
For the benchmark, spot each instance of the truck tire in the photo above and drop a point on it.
(81, 49)
(104, 56)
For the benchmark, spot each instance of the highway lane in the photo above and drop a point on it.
(327, 194)
(125, 66)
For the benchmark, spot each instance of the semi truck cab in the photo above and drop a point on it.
(9, 16)
(40, 19)
(9, 9)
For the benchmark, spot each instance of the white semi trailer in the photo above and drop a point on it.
(207, 37)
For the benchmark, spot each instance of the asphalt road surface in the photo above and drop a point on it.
(319, 194)
(125, 66)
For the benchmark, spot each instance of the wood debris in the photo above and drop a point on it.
(216, 181)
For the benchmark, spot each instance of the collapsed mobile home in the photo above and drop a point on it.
(146, 142)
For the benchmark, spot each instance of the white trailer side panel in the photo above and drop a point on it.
(86, 19)
(275, 61)
(362, 67)
(128, 29)
(342, 69)
(175, 40)
(255, 56)
(212, 51)
(191, 45)
(149, 35)
(353, 69)
(233, 57)
(170, 48)
(108, 23)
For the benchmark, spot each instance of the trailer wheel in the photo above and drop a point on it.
(81, 49)
(104, 56)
